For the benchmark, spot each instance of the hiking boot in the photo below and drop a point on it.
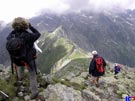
(94, 81)
(97, 85)
(40, 98)
(18, 83)
(115, 77)
(34, 96)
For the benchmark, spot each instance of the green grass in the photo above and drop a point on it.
(8, 86)
(77, 54)
(50, 57)
(76, 86)
(54, 48)
(76, 66)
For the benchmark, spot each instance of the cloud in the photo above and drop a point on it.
(77, 4)
(10, 9)
(111, 4)
(94, 5)
(28, 8)
(100, 5)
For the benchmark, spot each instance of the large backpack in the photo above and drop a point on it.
(99, 65)
(16, 47)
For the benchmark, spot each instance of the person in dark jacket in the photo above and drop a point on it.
(20, 27)
(117, 68)
(93, 70)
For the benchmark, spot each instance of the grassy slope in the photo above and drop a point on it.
(55, 48)
(76, 66)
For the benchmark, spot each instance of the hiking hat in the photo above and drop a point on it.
(20, 23)
(94, 52)
(116, 64)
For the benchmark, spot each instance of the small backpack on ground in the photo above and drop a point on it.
(16, 47)
(99, 65)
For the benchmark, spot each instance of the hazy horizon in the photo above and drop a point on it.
(30, 8)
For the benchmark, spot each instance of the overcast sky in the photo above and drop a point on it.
(10, 9)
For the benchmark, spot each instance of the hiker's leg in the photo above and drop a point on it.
(115, 73)
(94, 80)
(97, 79)
(20, 72)
(33, 78)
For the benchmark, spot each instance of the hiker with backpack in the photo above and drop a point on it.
(97, 67)
(20, 45)
(117, 68)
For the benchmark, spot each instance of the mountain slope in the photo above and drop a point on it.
(107, 32)
(69, 76)
(73, 80)
(57, 51)
(66, 78)
(73, 83)
(110, 33)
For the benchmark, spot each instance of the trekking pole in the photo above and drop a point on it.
(35, 67)
(16, 72)
(4, 95)
(12, 66)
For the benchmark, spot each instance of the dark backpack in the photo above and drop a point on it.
(16, 47)
(99, 65)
